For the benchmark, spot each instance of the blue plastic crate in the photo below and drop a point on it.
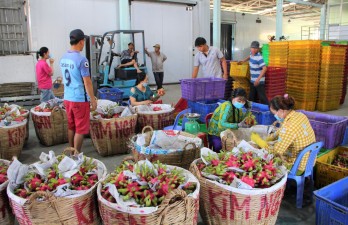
(262, 114)
(332, 204)
(345, 138)
(112, 94)
(203, 108)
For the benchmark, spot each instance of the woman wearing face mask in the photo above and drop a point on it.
(44, 74)
(227, 116)
(141, 94)
(294, 134)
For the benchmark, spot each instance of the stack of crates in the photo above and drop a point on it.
(240, 75)
(275, 81)
(278, 54)
(345, 73)
(303, 73)
(265, 53)
(331, 77)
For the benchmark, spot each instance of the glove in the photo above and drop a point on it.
(258, 140)
(243, 125)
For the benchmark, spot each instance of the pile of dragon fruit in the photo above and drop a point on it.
(12, 113)
(240, 168)
(106, 112)
(144, 184)
(3, 172)
(62, 175)
(341, 160)
(49, 105)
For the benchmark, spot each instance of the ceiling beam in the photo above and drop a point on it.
(305, 3)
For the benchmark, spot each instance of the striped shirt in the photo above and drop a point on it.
(256, 64)
(292, 137)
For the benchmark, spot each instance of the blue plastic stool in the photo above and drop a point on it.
(313, 150)
(175, 126)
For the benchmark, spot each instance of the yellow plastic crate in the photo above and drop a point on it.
(327, 173)
(278, 43)
(325, 105)
(305, 105)
(239, 70)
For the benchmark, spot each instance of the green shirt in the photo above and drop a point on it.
(141, 96)
(226, 116)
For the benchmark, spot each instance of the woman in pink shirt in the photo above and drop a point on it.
(44, 74)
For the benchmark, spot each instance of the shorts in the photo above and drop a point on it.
(124, 61)
(46, 94)
(78, 116)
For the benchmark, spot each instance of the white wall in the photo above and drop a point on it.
(52, 21)
(17, 68)
(247, 30)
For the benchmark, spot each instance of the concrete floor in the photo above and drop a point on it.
(288, 215)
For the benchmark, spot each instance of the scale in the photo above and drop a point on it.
(192, 126)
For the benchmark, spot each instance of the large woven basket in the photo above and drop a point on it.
(111, 136)
(12, 140)
(157, 121)
(51, 128)
(179, 158)
(27, 115)
(6, 216)
(239, 206)
(176, 208)
(76, 209)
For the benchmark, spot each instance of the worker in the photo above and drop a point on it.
(228, 115)
(209, 58)
(157, 60)
(79, 97)
(141, 94)
(257, 74)
(44, 74)
(129, 58)
(294, 134)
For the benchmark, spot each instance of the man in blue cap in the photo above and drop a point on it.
(78, 90)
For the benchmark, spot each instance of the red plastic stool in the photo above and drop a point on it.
(204, 138)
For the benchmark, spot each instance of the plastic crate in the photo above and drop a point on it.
(112, 94)
(262, 114)
(200, 89)
(345, 138)
(327, 128)
(332, 204)
(237, 70)
(203, 108)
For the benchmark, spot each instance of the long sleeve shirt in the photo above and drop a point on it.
(226, 116)
(292, 137)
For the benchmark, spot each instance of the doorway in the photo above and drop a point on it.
(226, 39)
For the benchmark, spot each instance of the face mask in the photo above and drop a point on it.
(278, 118)
(238, 105)
(145, 84)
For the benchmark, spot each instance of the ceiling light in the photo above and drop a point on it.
(293, 3)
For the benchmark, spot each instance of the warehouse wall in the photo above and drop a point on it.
(247, 30)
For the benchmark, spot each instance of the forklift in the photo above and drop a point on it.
(103, 75)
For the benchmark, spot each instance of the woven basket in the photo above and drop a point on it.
(176, 208)
(58, 87)
(180, 158)
(12, 140)
(238, 206)
(6, 216)
(111, 136)
(157, 121)
(51, 128)
(76, 209)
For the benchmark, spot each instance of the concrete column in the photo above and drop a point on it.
(322, 22)
(279, 19)
(217, 24)
(124, 22)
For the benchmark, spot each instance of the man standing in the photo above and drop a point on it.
(129, 58)
(157, 60)
(257, 73)
(78, 89)
(209, 58)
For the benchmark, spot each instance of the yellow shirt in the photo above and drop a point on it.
(292, 137)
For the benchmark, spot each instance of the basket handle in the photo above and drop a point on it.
(275, 123)
(32, 198)
(70, 151)
(172, 197)
(185, 149)
(230, 135)
(147, 127)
